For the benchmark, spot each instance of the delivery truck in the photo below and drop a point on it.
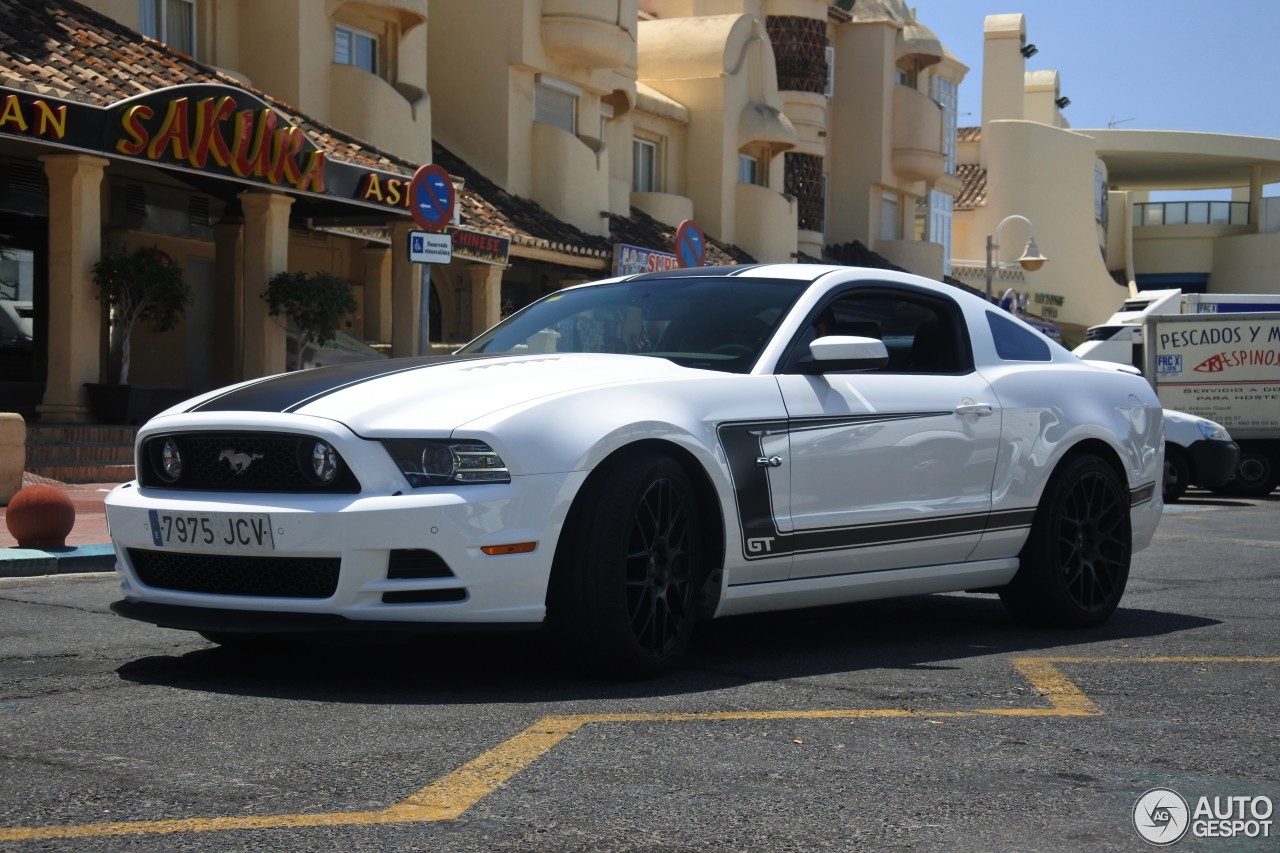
(1120, 338)
(1224, 367)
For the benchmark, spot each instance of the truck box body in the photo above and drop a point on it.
(1215, 355)
(1120, 339)
(1220, 366)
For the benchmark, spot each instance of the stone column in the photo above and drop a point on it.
(486, 296)
(75, 314)
(266, 252)
(376, 265)
(1255, 199)
(406, 284)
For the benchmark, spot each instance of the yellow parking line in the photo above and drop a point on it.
(454, 793)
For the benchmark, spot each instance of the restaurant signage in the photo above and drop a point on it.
(633, 260)
(479, 246)
(204, 127)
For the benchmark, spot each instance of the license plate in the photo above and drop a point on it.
(212, 531)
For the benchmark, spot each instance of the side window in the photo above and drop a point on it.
(1016, 343)
(920, 333)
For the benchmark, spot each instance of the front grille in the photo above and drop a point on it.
(217, 574)
(242, 462)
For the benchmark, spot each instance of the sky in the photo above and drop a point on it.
(1198, 65)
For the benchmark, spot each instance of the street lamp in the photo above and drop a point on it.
(1031, 259)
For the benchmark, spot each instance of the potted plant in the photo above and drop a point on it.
(315, 304)
(145, 286)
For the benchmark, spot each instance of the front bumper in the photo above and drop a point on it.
(360, 534)
(1213, 463)
(265, 622)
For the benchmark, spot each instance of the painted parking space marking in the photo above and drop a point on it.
(452, 794)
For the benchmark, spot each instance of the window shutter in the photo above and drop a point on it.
(554, 107)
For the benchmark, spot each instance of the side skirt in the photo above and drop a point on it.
(865, 586)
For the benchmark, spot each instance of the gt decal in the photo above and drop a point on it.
(760, 544)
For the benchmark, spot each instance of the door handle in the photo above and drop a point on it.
(971, 408)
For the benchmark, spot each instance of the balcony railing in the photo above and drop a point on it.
(1191, 213)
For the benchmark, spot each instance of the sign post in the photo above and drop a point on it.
(432, 201)
(432, 198)
(691, 245)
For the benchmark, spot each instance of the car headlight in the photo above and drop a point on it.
(432, 462)
(1212, 431)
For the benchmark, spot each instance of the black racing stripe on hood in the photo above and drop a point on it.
(290, 391)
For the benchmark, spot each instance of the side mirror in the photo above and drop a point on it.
(845, 352)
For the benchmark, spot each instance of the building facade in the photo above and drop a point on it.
(1086, 193)
(243, 139)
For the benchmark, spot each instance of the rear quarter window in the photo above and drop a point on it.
(1017, 343)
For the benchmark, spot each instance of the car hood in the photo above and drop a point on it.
(437, 394)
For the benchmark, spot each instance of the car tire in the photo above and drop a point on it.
(1075, 563)
(1257, 473)
(624, 588)
(1177, 473)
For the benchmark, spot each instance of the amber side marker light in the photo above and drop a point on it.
(513, 548)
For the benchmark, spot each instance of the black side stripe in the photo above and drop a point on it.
(743, 444)
(290, 391)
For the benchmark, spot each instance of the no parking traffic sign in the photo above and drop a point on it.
(691, 245)
(432, 198)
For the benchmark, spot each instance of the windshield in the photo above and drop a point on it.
(717, 323)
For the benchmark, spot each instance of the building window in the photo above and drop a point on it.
(907, 75)
(170, 21)
(644, 166)
(800, 52)
(946, 93)
(890, 218)
(803, 178)
(933, 223)
(556, 103)
(355, 47)
(606, 116)
(748, 169)
(830, 88)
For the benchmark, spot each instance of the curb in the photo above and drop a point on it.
(33, 562)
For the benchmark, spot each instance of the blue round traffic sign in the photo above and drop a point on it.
(691, 245)
(432, 198)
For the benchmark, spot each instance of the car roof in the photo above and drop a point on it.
(798, 272)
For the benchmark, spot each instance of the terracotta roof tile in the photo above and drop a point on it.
(969, 134)
(973, 189)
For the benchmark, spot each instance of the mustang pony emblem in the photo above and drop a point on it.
(239, 462)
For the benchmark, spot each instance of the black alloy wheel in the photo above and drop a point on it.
(1075, 564)
(623, 595)
(659, 572)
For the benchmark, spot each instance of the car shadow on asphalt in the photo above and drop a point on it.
(925, 632)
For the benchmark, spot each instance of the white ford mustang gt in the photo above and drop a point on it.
(620, 459)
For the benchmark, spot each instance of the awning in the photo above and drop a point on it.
(918, 42)
(761, 123)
